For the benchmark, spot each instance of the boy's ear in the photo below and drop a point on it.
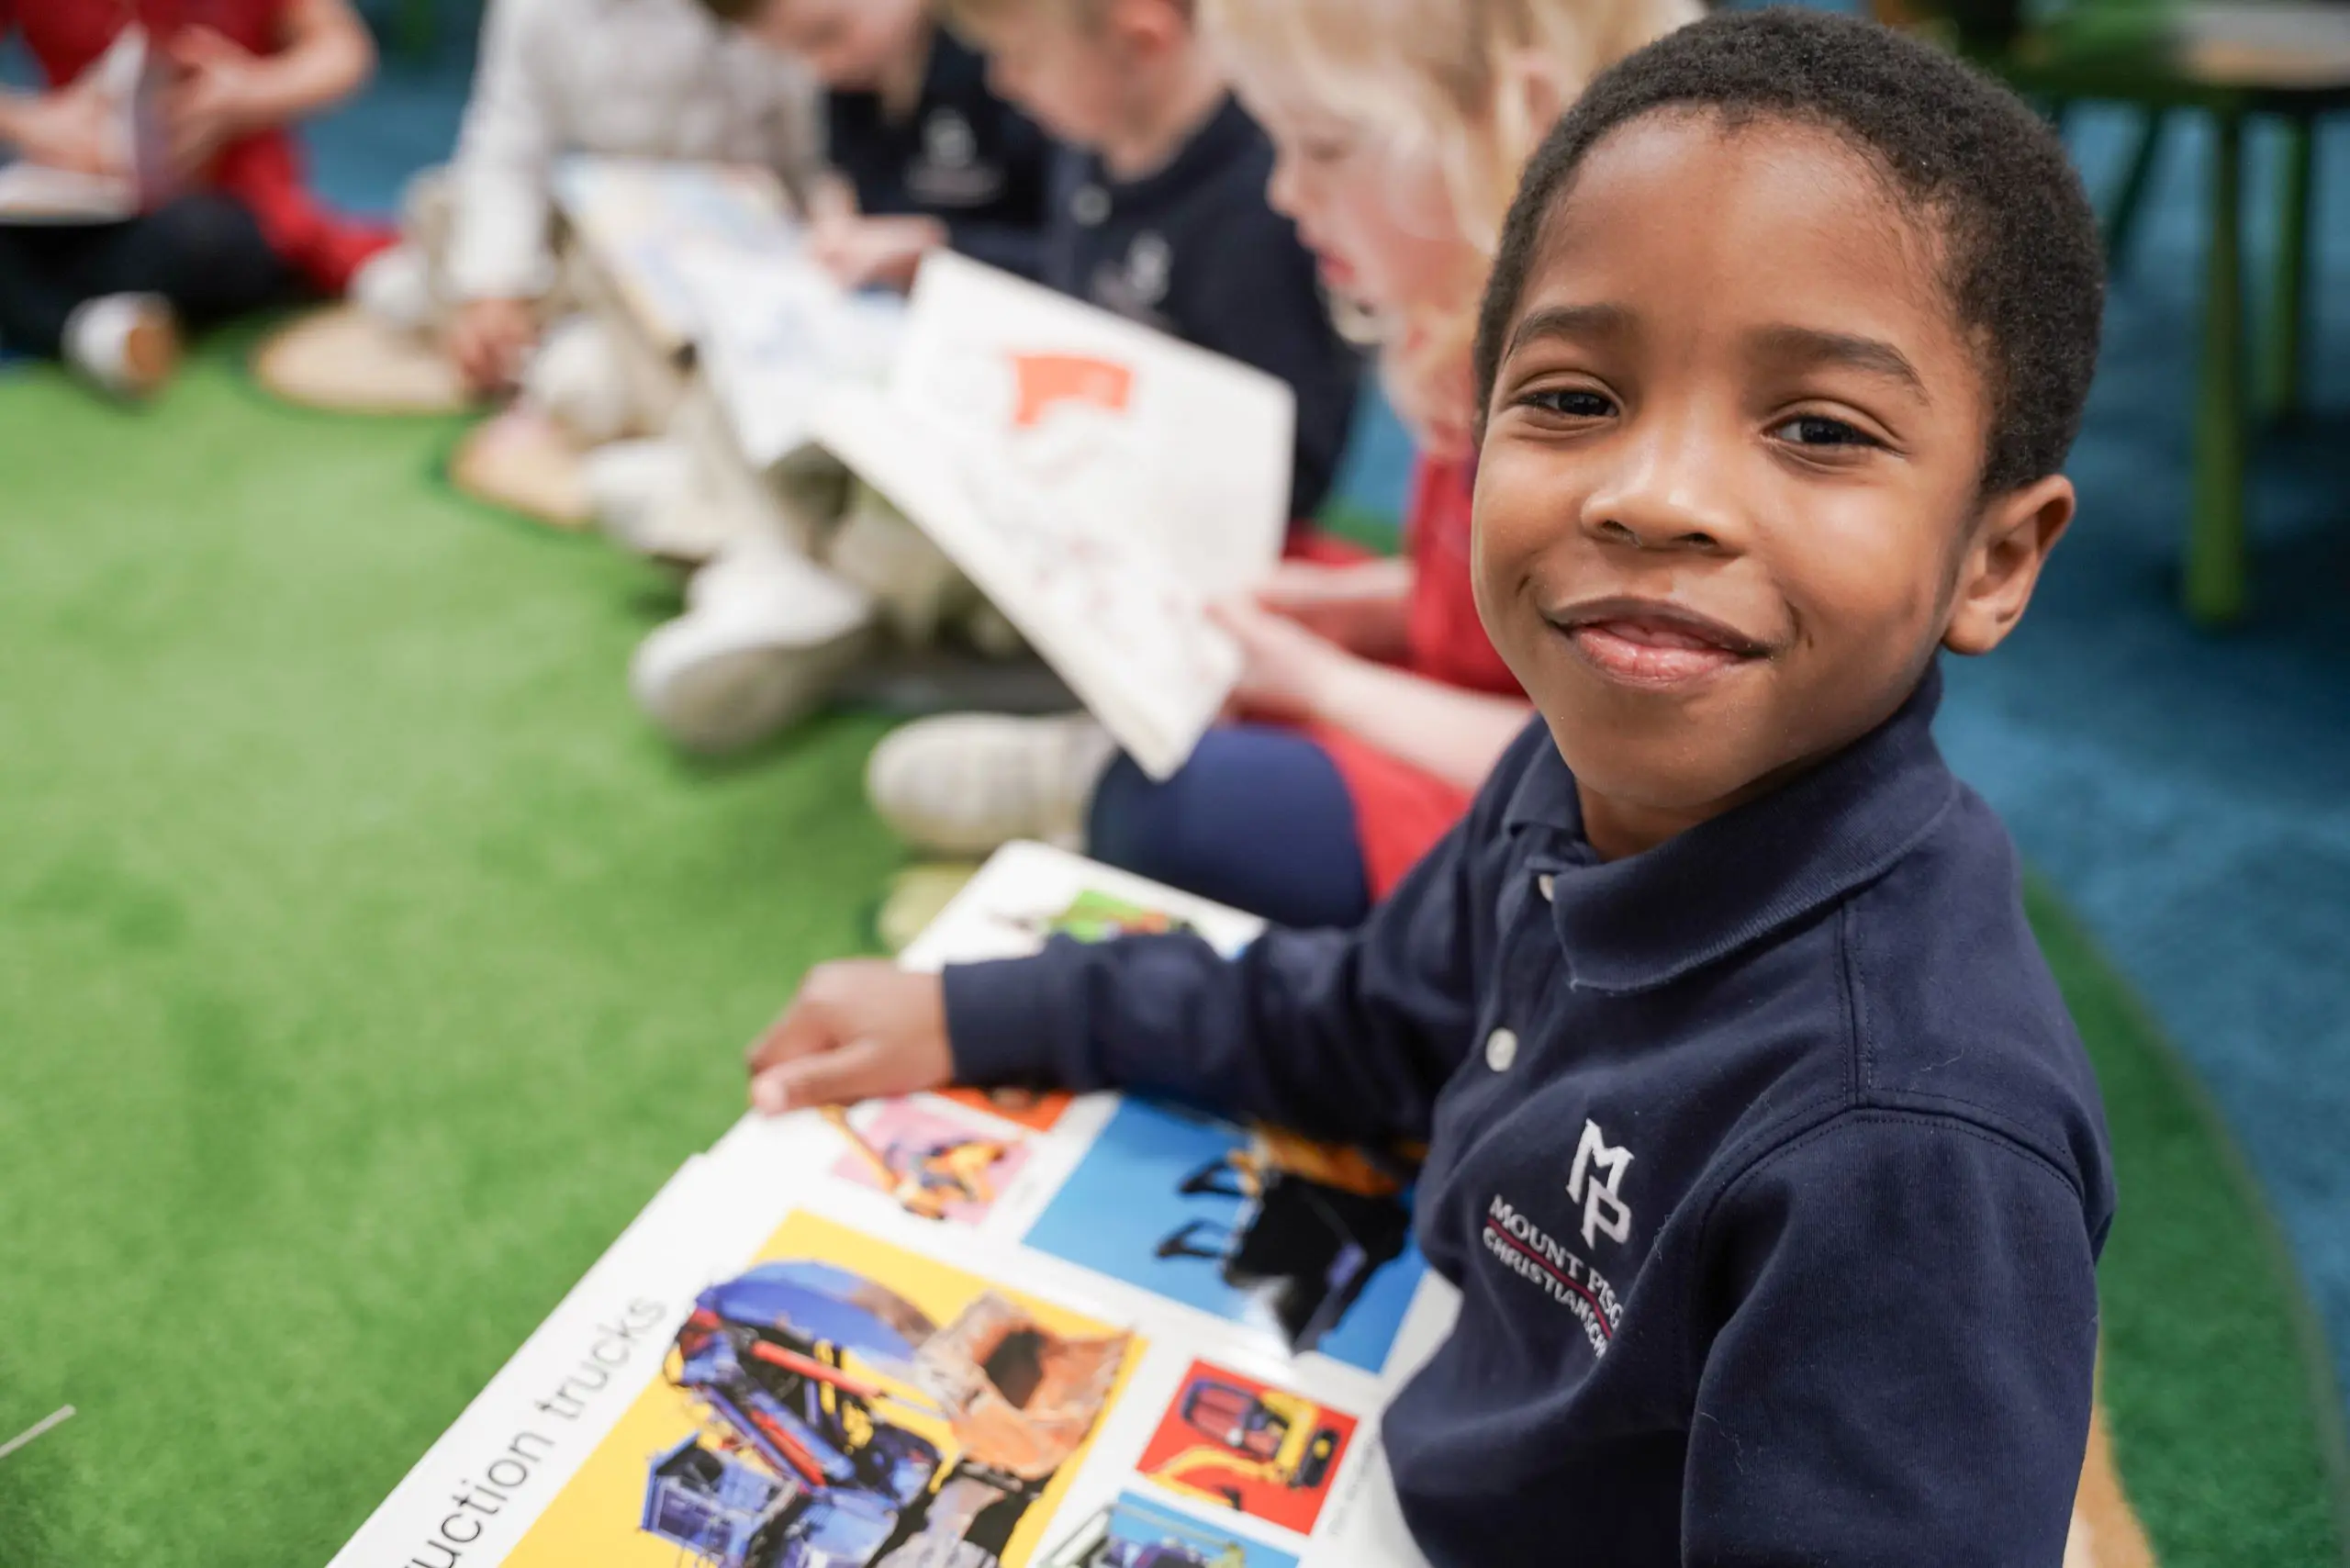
(2002, 562)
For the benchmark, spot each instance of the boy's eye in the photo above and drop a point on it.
(1326, 150)
(1571, 402)
(1818, 430)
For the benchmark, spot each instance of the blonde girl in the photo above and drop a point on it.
(1374, 704)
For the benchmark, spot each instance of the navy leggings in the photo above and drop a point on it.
(204, 253)
(1259, 819)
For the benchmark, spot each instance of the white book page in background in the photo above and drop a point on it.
(1187, 447)
(775, 335)
(637, 216)
(37, 194)
(1103, 605)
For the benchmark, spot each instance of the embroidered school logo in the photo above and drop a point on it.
(948, 141)
(1603, 1210)
(1541, 1260)
(950, 171)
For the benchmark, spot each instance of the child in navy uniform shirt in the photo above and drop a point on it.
(1768, 1164)
(1157, 206)
(923, 154)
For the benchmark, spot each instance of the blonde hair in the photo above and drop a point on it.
(1448, 79)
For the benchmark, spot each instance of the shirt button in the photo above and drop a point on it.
(1500, 1049)
(1090, 205)
(1548, 886)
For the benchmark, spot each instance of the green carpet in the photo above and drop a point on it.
(369, 962)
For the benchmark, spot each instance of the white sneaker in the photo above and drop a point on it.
(395, 289)
(968, 783)
(577, 377)
(125, 344)
(757, 651)
(631, 484)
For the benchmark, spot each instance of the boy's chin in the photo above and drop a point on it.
(1676, 776)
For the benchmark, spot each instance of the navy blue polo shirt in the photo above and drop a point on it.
(1194, 250)
(1767, 1162)
(963, 156)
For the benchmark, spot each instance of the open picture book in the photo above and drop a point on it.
(1100, 482)
(964, 1330)
(709, 262)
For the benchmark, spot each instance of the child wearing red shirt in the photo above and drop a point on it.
(243, 228)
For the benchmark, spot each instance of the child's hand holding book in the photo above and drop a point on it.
(857, 1030)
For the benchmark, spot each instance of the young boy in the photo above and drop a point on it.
(925, 156)
(1157, 210)
(1157, 206)
(1769, 1165)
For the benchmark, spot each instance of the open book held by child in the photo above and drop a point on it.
(1769, 1165)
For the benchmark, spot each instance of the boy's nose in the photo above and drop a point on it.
(1671, 491)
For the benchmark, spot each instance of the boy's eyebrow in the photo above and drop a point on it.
(1578, 321)
(1805, 347)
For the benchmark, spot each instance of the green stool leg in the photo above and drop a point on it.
(2131, 198)
(2280, 359)
(418, 27)
(2215, 543)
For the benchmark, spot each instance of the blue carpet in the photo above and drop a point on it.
(2188, 793)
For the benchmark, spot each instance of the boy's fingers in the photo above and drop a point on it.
(802, 1031)
(859, 1071)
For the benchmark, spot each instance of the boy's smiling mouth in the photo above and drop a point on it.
(1652, 643)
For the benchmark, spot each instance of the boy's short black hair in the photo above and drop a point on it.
(2024, 267)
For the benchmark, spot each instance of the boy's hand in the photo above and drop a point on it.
(858, 1029)
(488, 340)
(868, 253)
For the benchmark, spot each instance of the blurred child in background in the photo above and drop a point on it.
(242, 230)
(921, 154)
(627, 78)
(1159, 209)
(1156, 211)
(1374, 703)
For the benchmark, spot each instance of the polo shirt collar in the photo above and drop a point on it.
(1639, 922)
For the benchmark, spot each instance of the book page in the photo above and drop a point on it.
(962, 1331)
(1186, 446)
(638, 216)
(1103, 605)
(131, 82)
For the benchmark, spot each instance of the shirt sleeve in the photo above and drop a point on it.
(1904, 1372)
(1345, 1034)
(501, 177)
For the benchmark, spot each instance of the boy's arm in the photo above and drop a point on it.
(1903, 1374)
(501, 178)
(1345, 1034)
